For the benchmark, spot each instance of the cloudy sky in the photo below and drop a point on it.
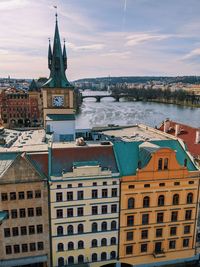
(104, 37)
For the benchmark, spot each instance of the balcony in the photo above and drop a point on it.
(159, 253)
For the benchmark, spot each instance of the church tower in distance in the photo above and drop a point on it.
(58, 94)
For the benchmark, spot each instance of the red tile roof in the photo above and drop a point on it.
(187, 134)
(40, 160)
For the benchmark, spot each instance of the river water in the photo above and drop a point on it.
(125, 113)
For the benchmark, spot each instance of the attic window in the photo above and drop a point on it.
(131, 186)
(160, 164)
(139, 164)
(147, 185)
(165, 163)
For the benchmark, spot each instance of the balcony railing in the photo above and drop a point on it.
(159, 253)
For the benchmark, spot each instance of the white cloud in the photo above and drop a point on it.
(12, 4)
(90, 47)
(117, 54)
(194, 53)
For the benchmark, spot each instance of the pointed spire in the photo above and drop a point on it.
(57, 66)
(49, 55)
(64, 56)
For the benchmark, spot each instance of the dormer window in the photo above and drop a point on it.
(160, 162)
(166, 164)
(185, 162)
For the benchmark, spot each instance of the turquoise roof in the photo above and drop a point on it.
(145, 152)
(3, 215)
(129, 154)
(60, 117)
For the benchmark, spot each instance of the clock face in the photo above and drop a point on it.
(58, 101)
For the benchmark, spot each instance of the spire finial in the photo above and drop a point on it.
(49, 40)
(56, 15)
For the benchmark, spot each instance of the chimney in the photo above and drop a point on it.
(166, 126)
(177, 129)
(197, 139)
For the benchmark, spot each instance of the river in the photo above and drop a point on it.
(125, 113)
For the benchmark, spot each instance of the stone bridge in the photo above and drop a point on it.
(99, 97)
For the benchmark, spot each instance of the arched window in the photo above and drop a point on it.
(104, 226)
(113, 241)
(80, 259)
(131, 203)
(94, 227)
(161, 200)
(70, 260)
(61, 261)
(189, 198)
(70, 246)
(160, 164)
(146, 202)
(59, 230)
(166, 164)
(94, 243)
(80, 244)
(103, 256)
(175, 199)
(94, 257)
(60, 247)
(113, 225)
(103, 242)
(112, 255)
(80, 228)
(70, 230)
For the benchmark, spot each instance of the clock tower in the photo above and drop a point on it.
(58, 94)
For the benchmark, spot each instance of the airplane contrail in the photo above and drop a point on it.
(125, 7)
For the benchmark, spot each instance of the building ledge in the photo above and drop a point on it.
(159, 254)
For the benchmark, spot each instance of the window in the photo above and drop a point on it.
(113, 225)
(94, 210)
(158, 247)
(30, 212)
(131, 203)
(16, 249)
(104, 209)
(94, 184)
(4, 196)
(31, 229)
(185, 162)
(8, 250)
(94, 257)
(162, 184)
(80, 195)
(70, 230)
(113, 241)
(113, 208)
(13, 214)
(38, 193)
(189, 198)
(39, 228)
(174, 216)
(191, 182)
(112, 255)
(24, 248)
(59, 186)
(175, 199)
(188, 215)
(145, 219)
(186, 242)
(103, 242)
(160, 164)
(80, 228)
(94, 243)
(94, 193)
(176, 183)
(59, 230)
(144, 234)
(60, 247)
(59, 213)
(59, 197)
(29, 194)
(69, 185)
(21, 195)
(130, 220)
(146, 202)
(160, 217)
(80, 212)
(161, 200)
(80, 185)
(146, 185)
(103, 256)
(172, 244)
(129, 250)
(80, 259)
(173, 231)
(129, 236)
(104, 183)
(70, 212)
(22, 213)
(69, 196)
(143, 248)
(165, 163)
(186, 229)
(61, 262)
(104, 193)
(6, 232)
(104, 226)
(131, 186)
(23, 230)
(94, 227)
(40, 245)
(70, 246)
(38, 211)
(114, 192)
(12, 196)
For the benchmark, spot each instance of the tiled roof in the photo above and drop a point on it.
(187, 134)
(64, 158)
(6, 159)
(40, 162)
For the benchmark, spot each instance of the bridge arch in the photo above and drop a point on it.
(114, 265)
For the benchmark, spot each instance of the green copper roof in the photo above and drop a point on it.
(129, 154)
(146, 150)
(3, 215)
(33, 86)
(60, 117)
(57, 64)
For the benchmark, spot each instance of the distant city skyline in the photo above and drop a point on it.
(115, 37)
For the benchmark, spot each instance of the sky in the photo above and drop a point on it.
(103, 37)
